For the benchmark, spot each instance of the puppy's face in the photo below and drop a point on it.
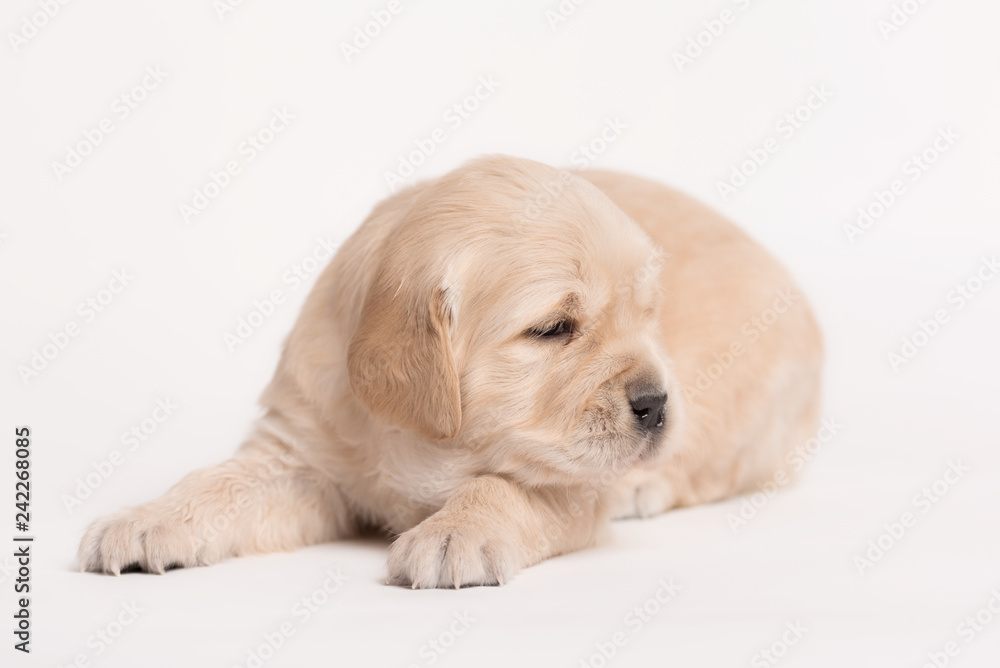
(563, 376)
(532, 342)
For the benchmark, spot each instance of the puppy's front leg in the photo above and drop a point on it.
(263, 500)
(490, 529)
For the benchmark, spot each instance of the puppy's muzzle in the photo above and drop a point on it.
(650, 411)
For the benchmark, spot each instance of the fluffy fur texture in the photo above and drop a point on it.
(474, 371)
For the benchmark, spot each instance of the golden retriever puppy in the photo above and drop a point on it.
(497, 362)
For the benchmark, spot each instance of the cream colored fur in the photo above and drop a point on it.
(415, 393)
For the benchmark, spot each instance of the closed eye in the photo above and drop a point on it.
(553, 330)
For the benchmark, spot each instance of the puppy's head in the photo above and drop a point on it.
(514, 312)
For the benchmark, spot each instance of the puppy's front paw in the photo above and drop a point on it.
(641, 495)
(452, 550)
(138, 538)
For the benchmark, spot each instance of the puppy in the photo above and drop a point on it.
(497, 362)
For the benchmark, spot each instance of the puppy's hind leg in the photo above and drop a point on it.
(263, 500)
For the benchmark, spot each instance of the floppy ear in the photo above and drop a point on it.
(400, 361)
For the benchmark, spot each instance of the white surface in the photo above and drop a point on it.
(162, 337)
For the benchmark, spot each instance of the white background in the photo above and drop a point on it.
(162, 336)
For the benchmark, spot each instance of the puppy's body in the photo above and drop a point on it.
(481, 369)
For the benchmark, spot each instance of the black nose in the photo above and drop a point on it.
(649, 410)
